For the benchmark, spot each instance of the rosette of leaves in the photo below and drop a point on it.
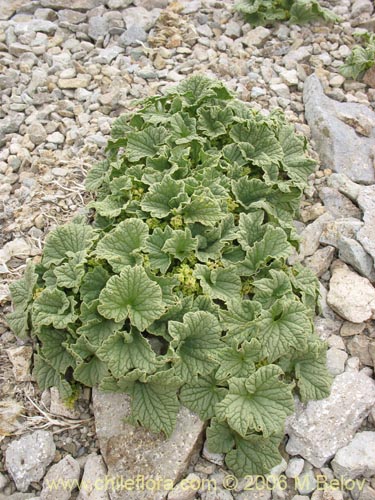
(267, 12)
(178, 291)
(361, 58)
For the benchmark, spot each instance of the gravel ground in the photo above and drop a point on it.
(66, 73)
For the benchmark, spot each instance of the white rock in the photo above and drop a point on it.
(311, 236)
(344, 185)
(357, 459)
(317, 430)
(361, 7)
(350, 295)
(56, 138)
(336, 359)
(351, 252)
(366, 235)
(27, 458)
(290, 77)
(293, 57)
(66, 470)
(95, 471)
(215, 458)
(256, 36)
(295, 467)
(186, 489)
(81, 81)
(57, 406)
(20, 357)
(306, 483)
(281, 90)
(37, 133)
(334, 230)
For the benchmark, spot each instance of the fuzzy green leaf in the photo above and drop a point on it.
(131, 294)
(53, 307)
(238, 360)
(121, 247)
(258, 403)
(221, 283)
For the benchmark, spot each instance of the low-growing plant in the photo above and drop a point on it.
(361, 58)
(178, 291)
(266, 12)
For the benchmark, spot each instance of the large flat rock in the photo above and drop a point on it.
(320, 428)
(133, 453)
(344, 133)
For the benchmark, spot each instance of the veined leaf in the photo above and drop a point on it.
(154, 399)
(268, 290)
(240, 318)
(221, 283)
(74, 238)
(47, 377)
(238, 360)
(181, 244)
(121, 247)
(202, 395)
(163, 197)
(258, 403)
(22, 290)
(145, 143)
(53, 307)
(202, 208)
(195, 340)
(131, 294)
(124, 351)
(54, 348)
(93, 283)
(286, 325)
(154, 244)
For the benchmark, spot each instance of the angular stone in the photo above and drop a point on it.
(186, 489)
(317, 439)
(336, 359)
(27, 458)
(35, 25)
(338, 204)
(311, 236)
(344, 185)
(95, 471)
(350, 295)
(369, 78)
(130, 451)
(10, 124)
(132, 36)
(81, 81)
(58, 407)
(71, 4)
(37, 133)
(139, 16)
(349, 329)
(306, 483)
(338, 144)
(68, 470)
(20, 357)
(357, 458)
(335, 230)
(7, 9)
(359, 346)
(256, 37)
(366, 235)
(320, 262)
(98, 27)
(294, 57)
(351, 252)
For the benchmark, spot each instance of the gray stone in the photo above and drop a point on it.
(56, 138)
(27, 458)
(67, 469)
(306, 483)
(293, 57)
(81, 81)
(290, 77)
(186, 489)
(214, 458)
(311, 236)
(256, 36)
(333, 231)
(95, 471)
(361, 7)
(20, 357)
(140, 17)
(344, 185)
(153, 4)
(58, 407)
(281, 90)
(129, 451)
(261, 494)
(295, 467)
(35, 25)
(18, 496)
(360, 346)
(118, 4)
(37, 133)
(106, 56)
(336, 359)
(190, 6)
(338, 144)
(351, 252)
(366, 235)
(98, 27)
(320, 262)
(338, 204)
(10, 124)
(135, 35)
(351, 296)
(317, 439)
(71, 16)
(349, 329)
(71, 4)
(326, 327)
(357, 458)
